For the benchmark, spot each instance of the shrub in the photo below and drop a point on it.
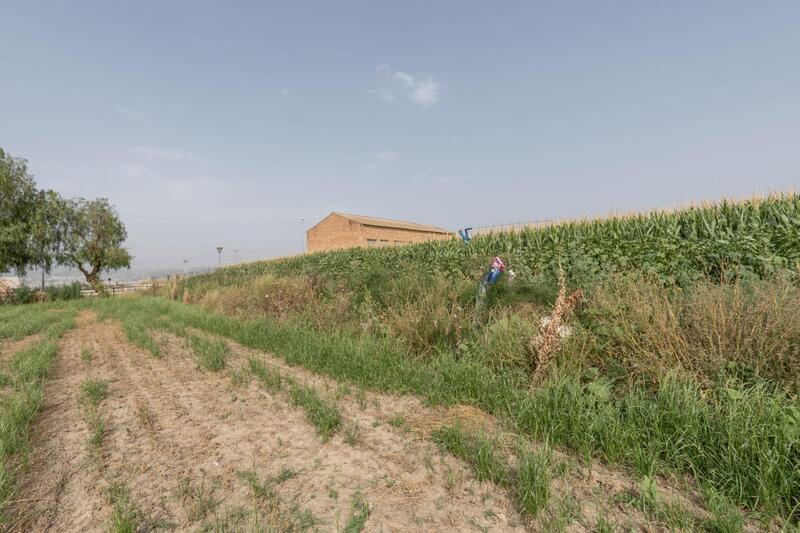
(65, 292)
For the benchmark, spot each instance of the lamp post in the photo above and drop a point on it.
(302, 236)
(219, 256)
(185, 267)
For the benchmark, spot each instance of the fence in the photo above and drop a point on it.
(121, 289)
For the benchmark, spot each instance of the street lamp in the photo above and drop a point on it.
(185, 267)
(302, 236)
(219, 256)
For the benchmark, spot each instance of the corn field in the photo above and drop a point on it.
(756, 237)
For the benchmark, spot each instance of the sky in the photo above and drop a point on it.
(226, 123)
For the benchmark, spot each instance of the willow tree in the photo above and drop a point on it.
(91, 238)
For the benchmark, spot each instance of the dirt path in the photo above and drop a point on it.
(60, 476)
(183, 441)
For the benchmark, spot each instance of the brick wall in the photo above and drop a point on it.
(336, 231)
(396, 237)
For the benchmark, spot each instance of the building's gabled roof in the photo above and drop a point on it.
(397, 224)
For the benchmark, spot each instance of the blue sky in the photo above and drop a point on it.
(243, 118)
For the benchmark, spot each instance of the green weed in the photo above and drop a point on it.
(97, 429)
(86, 355)
(269, 377)
(533, 480)
(125, 517)
(477, 450)
(137, 334)
(198, 499)
(358, 518)
(210, 353)
(93, 391)
(324, 415)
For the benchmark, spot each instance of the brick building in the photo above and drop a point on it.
(340, 230)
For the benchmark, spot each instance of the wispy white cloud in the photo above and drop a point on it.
(284, 92)
(422, 90)
(165, 154)
(380, 159)
(132, 114)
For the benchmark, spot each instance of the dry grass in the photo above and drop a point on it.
(426, 423)
(426, 320)
(545, 345)
(750, 328)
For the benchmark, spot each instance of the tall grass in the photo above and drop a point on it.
(745, 329)
(31, 319)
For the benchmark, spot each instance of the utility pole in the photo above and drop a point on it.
(302, 236)
(219, 256)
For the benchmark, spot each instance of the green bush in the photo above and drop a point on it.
(65, 292)
(22, 295)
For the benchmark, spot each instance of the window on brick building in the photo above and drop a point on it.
(384, 242)
(372, 242)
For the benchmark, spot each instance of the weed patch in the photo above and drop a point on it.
(93, 391)
(324, 415)
(269, 377)
(210, 353)
(358, 518)
(125, 517)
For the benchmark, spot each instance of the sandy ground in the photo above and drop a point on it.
(180, 438)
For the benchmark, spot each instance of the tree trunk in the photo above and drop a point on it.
(93, 280)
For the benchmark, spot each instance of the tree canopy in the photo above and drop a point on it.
(40, 229)
(91, 238)
(27, 218)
